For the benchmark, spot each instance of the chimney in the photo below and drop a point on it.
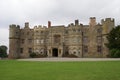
(49, 24)
(76, 22)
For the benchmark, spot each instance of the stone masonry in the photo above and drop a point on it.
(57, 41)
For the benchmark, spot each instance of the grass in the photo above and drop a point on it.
(23, 70)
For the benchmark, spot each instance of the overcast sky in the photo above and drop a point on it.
(59, 12)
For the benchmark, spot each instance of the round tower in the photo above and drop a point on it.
(14, 41)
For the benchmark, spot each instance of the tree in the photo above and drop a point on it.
(114, 42)
(3, 51)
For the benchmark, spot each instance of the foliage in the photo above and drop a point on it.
(72, 56)
(114, 42)
(114, 53)
(114, 38)
(3, 51)
(33, 55)
(28, 70)
(36, 55)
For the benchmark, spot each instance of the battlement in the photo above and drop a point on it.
(92, 21)
(107, 20)
(40, 27)
(14, 26)
(92, 17)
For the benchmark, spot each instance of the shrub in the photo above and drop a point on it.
(72, 56)
(41, 55)
(36, 55)
(33, 55)
(114, 53)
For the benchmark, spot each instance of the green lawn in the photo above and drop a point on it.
(23, 70)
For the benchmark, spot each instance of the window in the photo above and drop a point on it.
(74, 30)
(99, 39)
(30, 40)
(29, 50)
(37, 41)
(66, 31)
(56, 38)
(99, 49)
(16, 33)
(21, 50)
(85, 39)
(99, 30)
(41, 32)
(22, 41)
(78, 30)
(37, 33)
(42, 41)
(85, 49)
(27, 33)
(74, 52)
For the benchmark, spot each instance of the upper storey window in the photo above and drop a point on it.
(99, 30)
(99, 49)
(30, 40)
(66, 31)
(41, 32)
(27, 33)
(22, 41)
(57, 38)
(74, 30)
(99, 39)
(85, 39)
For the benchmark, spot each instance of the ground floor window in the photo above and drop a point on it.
(85, 49)
(21, 50)
(99, 49)
(30, 50)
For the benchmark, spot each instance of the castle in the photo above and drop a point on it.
(57, 41)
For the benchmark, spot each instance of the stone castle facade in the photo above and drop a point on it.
(57, 41)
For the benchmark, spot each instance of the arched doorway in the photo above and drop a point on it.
(55, 52)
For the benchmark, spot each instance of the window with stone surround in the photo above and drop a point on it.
(29, 40)
(85, 39)
(99, 30)
(41, 41)
(99, 39)
(57, 38)
(85, 49)
(29, 50)
(37, 41)
(22, 41)
(21, 50)
(99, 49)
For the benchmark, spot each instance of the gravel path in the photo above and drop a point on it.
(70, 59)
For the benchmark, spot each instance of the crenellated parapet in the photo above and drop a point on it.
(107, 25)
(107, 20)
(14, 31)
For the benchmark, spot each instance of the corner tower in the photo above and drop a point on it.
(14, 42)
(107, 25)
